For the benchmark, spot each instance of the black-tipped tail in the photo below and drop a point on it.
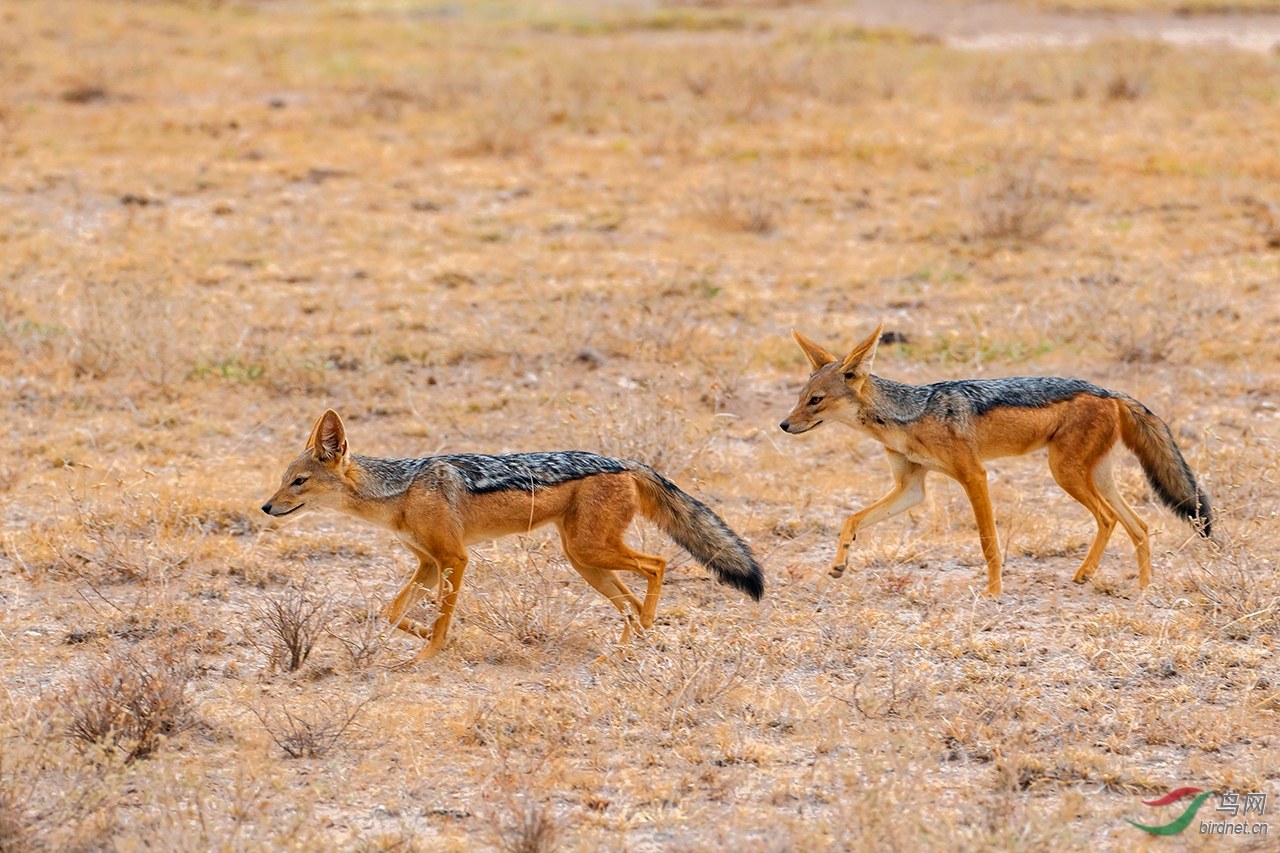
(1167, 471)
(699, 531)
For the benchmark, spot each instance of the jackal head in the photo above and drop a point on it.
(834, 389)
(315, 479)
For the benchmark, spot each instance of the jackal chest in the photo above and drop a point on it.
(911, 448)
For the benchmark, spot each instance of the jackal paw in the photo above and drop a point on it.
(993, 590)
(837, 569)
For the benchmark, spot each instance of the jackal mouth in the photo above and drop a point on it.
(813, 425)
(289, 512)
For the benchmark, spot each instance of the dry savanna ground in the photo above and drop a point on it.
(497, 227)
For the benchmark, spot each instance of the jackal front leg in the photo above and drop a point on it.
(908, 491)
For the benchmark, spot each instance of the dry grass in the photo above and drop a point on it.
(1174, 7)
(527, 827)
(1015, 203)
(593, 226)
(311, 731)
(130, 704)
(294, 619)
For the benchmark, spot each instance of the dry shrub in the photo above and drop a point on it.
(507, 122)
(365, 636)
(294, 618)
(675, 132)
(1127, 86)
(18, 830)
(404, 840)
(131, 538)
(526, 604)
(365, 632)
(1014, 203)
(1226, 586)
(892, 688)
(659, 435)
(526, 825)
(690, 671)
(1266, 217)
(151, 329)
(312, 733)
(161, 343)
(131, 703)
(1150, 337)
(731, 206)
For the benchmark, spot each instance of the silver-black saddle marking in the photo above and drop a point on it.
(906, 403)
(482, 474)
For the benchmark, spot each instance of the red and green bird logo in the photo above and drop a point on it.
(1183, 820)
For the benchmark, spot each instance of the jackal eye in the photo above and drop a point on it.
(815, 400)
(299, 481)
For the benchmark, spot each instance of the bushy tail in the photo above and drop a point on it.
(699, 531)
(1151, 441)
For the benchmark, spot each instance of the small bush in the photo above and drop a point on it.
(689, 671)
(526, 826)
(314, 733)
(130, 538)
(295, 618)
(365, 633)
(733, 207)
(526, 605)
(129, 704)
(17, 829)
(1015, 204)
(508, 123)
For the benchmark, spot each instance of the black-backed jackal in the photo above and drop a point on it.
(439, 505)
(953, 427)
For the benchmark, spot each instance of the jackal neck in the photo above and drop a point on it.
(887, 402)
(378, 478)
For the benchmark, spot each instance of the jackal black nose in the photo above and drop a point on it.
(786, 426)
(266, 507)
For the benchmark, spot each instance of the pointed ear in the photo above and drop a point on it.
(857, 364)
(328, 437)
(817, 356)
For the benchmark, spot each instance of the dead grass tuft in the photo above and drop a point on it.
(18, 830)
(733, 205)
(518, 227)
(364, 632)
(119, 536)
(294, 619)
(1014, 203)
(315, 731)
(1127, 87)
(508, 121)
(690, 668)
(526, 825)
(130, 704)
(523, 602)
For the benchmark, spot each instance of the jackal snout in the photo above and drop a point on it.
(787, 426)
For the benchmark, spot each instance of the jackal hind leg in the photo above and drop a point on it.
(1076, 477)
(614, 556)
(592, 533)
(907, 492)
(606, 582)
(1133, 525)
